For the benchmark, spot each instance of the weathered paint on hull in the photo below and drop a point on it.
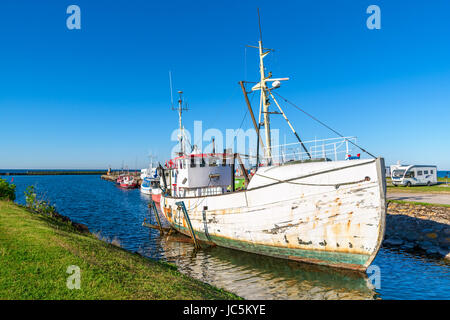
(304, 220)
(335, 259)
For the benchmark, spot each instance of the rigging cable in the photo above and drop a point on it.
(326, 126)
(245, 115)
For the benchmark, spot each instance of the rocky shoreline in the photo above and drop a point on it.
(418, 228)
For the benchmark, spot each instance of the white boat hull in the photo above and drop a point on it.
(328, 213)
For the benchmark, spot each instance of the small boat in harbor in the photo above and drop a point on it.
(146, 187)
(156, 191)
(150, 182)
(301, 206)
(127, 182)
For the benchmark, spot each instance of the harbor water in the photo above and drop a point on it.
(118, 214)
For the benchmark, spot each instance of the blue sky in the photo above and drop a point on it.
(100, 96)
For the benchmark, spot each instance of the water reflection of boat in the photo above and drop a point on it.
(260, 277)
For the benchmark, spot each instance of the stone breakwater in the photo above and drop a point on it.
(418, 228)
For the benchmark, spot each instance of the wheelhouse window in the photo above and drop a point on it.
(212, 162)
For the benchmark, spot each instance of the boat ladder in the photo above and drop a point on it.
(181, 206)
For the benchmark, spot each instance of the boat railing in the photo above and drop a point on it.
(333, 149)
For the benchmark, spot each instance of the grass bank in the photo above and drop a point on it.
(36, 250)
(420, 203)
(420, 189)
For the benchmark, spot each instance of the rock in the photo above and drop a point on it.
(433, 250)
(425, 244)
(411, 236)
(444, 241)
(431, 235)
(80, 227)
(444, 253)
(408, 246)
(393, 242)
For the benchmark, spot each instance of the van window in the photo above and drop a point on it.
(425, 172)
(419, 173)
(431, 171)
(409, 174)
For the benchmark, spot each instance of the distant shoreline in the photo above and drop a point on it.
(51, 172)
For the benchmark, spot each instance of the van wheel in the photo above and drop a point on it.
(408, 184)
(429, 183)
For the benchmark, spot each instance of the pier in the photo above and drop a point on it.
(114, 175)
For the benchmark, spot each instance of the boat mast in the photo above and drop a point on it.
(264, 99)
(265, 102)
(180, 113)
(180, 109)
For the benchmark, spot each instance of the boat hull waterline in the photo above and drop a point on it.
(156, 197)
(329, 213)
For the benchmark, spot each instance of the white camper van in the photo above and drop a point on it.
(413, 175)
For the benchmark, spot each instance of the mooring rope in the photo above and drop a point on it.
(337, 185)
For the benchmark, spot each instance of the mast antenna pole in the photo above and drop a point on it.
(171, 91)
(259, 23)
(180, 110)
(264, 98)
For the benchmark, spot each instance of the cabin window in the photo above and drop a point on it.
(419, 173)
(425, 172)
(431, 171)
(409, 174)
(212, 162)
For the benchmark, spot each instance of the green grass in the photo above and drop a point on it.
(423, 189)
(433, 189)
(421, 203)
(35, 252)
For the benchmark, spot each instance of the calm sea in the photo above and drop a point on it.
(117, 213)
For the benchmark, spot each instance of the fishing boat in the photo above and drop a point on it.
(156, 191)
(309, 206)
(146, 187)
(128, 182)
(150, 180)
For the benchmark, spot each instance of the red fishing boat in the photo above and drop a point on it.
(127, 182)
